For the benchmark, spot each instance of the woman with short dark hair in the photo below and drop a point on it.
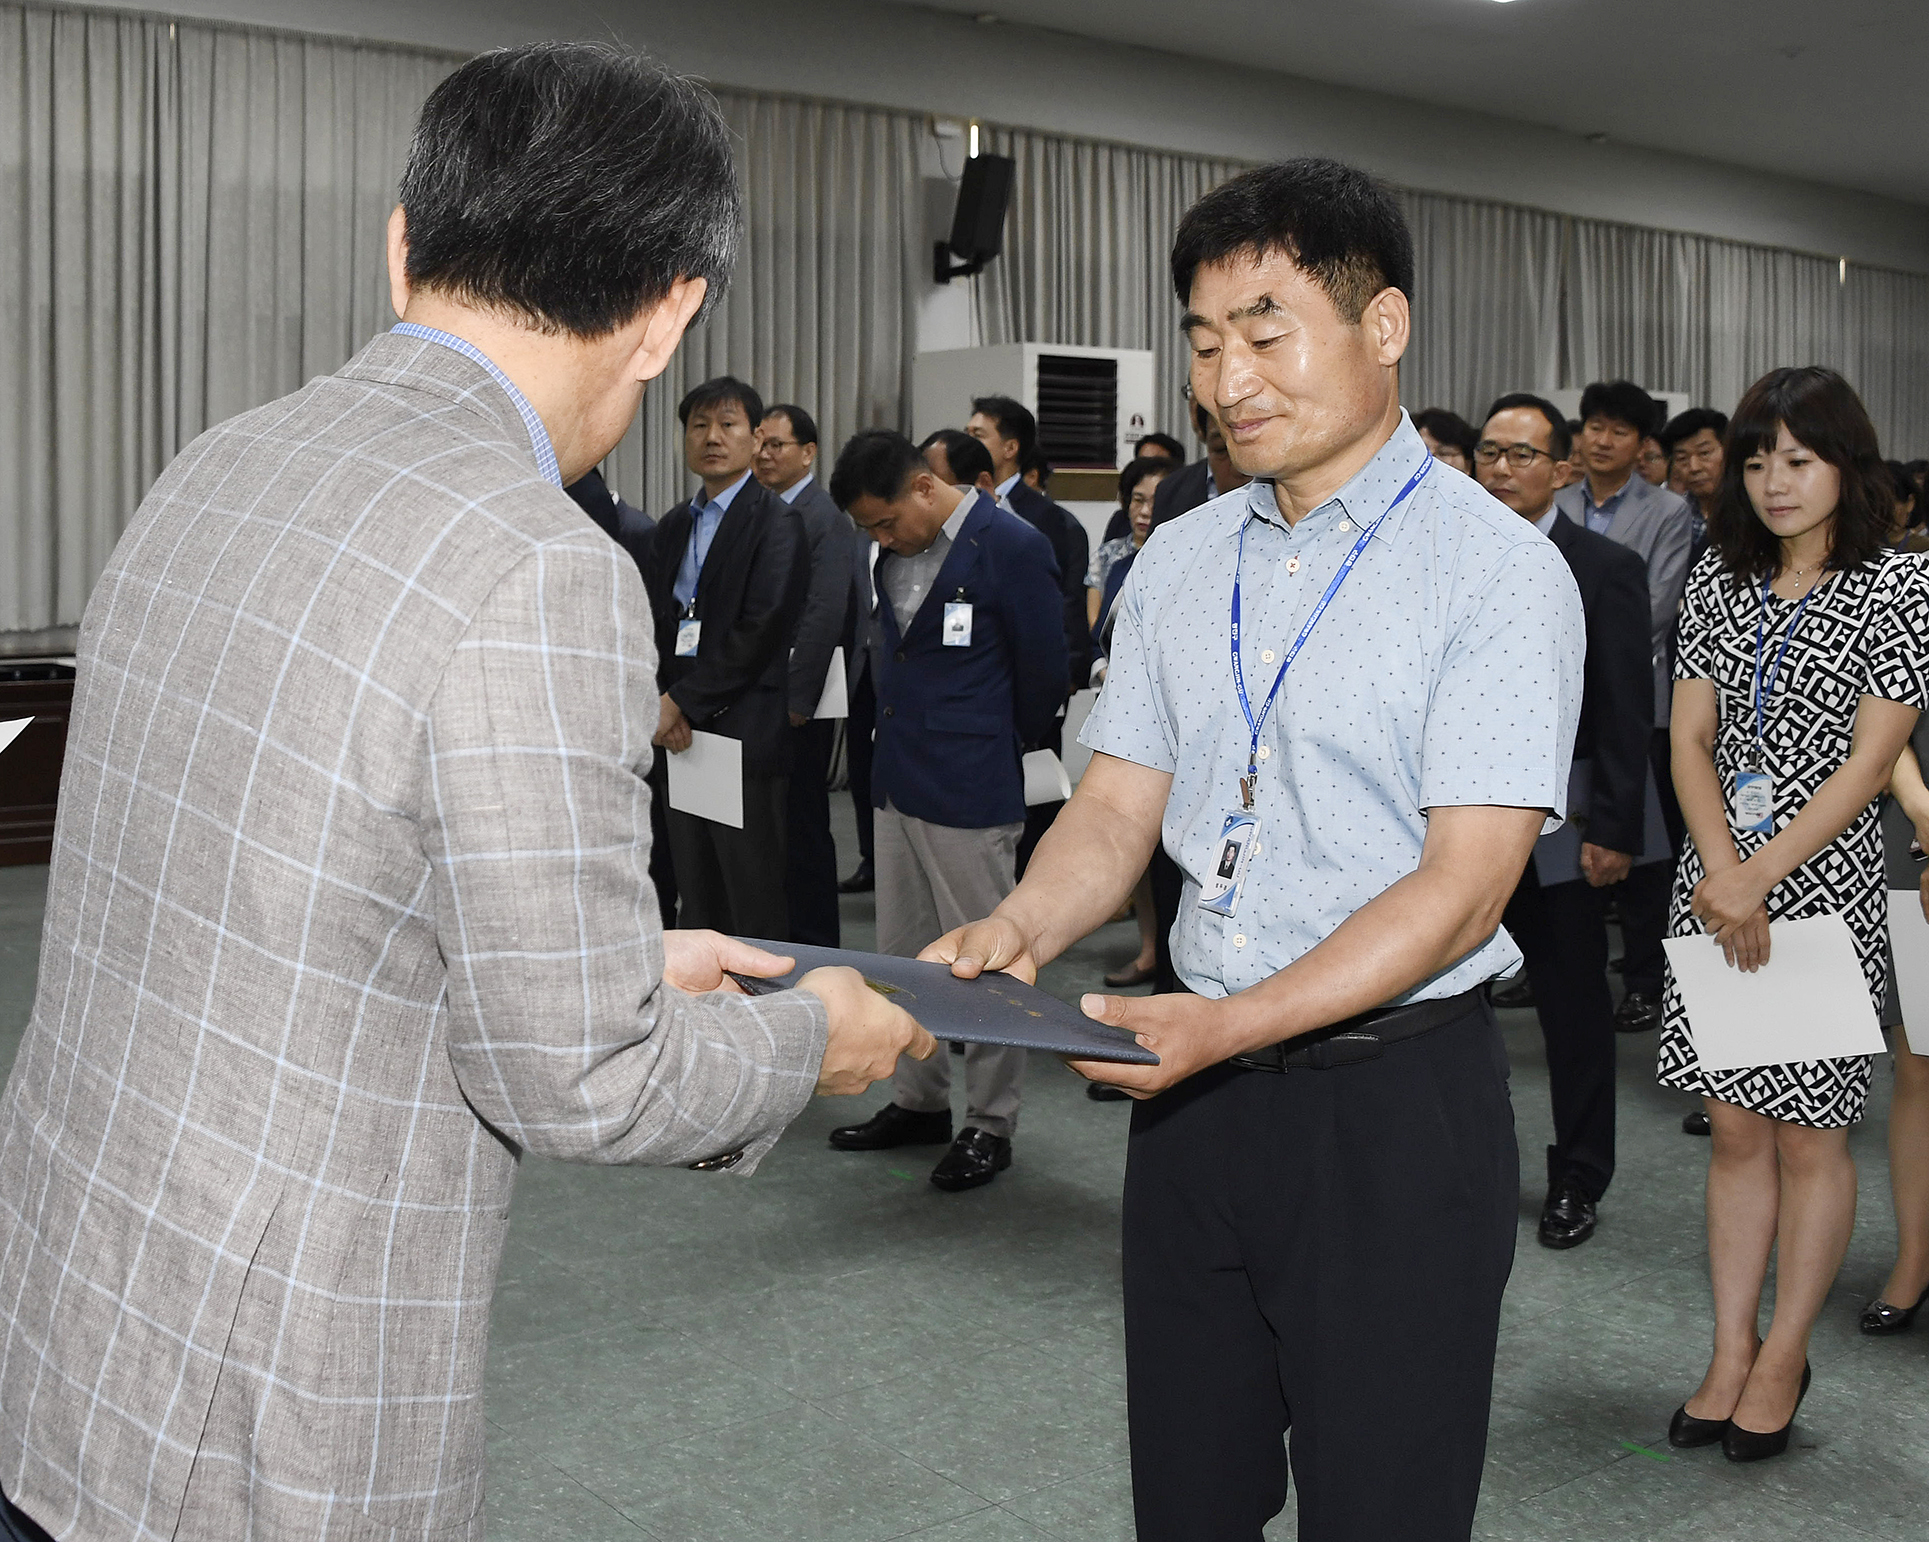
(1801, 672)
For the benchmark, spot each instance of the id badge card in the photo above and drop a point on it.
(1755, 802)
(689, 632)
(1219, 891)
(957, 624)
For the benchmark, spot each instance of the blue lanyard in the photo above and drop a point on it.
(1256, 724)
(1761, 629)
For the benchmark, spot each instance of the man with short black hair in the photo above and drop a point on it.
(728, 574)
(968, 671)
(1351, 767)
(786, 456)
(1159, 444)
(1615, 500)
(348, 908)
(1558, 914)
(1693, 442)
(962, 461)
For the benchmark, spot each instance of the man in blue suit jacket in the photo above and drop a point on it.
(970, 669)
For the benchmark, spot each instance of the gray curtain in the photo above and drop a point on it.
(1087, 240)
(192, 220)
(822, 311)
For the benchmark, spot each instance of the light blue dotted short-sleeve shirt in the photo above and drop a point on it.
(1446, 671)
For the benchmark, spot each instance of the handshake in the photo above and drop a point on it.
(867, 1031)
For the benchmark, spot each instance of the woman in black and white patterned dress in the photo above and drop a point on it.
(1798, 576)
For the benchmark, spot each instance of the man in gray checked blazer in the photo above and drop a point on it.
(350, 903)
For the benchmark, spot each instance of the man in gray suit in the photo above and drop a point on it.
(1614, 500)
(785, 463)
(349, 904)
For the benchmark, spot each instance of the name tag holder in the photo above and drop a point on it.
(957, 622)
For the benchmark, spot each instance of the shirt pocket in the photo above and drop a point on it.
(947, 720)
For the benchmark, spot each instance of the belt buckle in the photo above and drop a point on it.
(1340, 1049)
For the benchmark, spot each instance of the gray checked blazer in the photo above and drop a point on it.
(1655, 524)
(350, 906)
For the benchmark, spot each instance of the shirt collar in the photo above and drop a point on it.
(1368, 494)
(545, 452)
(1613, 500)
(1005, 487)
(1545, 524)
(702, 504)
(789, 494)
(958, 515)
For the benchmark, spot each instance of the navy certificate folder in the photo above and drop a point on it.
(992, 1009)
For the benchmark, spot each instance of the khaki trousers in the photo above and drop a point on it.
(931, 878)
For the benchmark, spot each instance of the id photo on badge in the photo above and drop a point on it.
(1220, 892)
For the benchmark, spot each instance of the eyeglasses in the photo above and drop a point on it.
(783, 444)
(1519, 456)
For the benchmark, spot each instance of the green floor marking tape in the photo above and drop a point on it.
(1658, 1456)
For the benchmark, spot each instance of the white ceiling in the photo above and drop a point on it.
(1835, 93)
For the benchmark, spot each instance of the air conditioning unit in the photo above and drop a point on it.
(1091, 403)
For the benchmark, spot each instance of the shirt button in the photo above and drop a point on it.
(1346, 527)
(1239, 939)
(1265, 752)
(1266, 656)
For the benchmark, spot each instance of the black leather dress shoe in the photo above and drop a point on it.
(893, 1126)
(1743, 1445)
(1695, 1122)
(860, 882)
(1513, 995)
(1881, 1319)
(1686, 1431)
(1105, 1092)
(1567, 1219)
(975, 1158)
(1638, 1013)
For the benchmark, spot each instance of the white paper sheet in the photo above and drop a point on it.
(11, 730)
(1808, 1002)
(1909, 940)
(835, 702)
(1045, 779)
(707, 779)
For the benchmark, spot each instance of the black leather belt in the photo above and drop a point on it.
(1358, 1038)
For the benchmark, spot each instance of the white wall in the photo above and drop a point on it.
(927, 61)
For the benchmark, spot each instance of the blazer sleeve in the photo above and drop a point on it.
(1668, 573)
(1071, 579)
(1031, 596)
(563, 1033)
(1620, 684)
(773, 594)
(829, 537)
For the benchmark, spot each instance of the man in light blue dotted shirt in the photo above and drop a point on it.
(1323, 1185)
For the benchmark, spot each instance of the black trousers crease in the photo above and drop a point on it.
(1313, 1266)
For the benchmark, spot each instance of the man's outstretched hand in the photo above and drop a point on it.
(867, 1035)
(695, 961)
(1187, 1033)
(994, 944)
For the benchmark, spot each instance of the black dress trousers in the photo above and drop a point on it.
(812, 859)
(733, 880)
(859, 746)
(1562, 932)
(1319, 1256)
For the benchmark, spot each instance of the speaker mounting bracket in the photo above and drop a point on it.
(943, 271)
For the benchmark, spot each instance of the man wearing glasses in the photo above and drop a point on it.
(1558, 914)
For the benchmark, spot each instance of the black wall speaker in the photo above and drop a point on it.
(978, 225)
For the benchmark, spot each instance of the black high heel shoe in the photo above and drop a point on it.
(1686, 1431)
(1745, 1445)
(1880, 1319)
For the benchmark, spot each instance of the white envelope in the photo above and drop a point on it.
(1909, 942)
(1045, 779)
(11, 730)
(707, 779)
(835, 702)
(1808, 1002)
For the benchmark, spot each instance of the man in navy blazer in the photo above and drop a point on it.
(1558, 914)
(970, 669)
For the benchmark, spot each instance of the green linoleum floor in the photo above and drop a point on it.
(834, 1351)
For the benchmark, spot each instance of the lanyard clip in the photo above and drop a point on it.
(1246, 790)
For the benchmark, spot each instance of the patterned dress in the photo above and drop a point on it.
(1865, 633)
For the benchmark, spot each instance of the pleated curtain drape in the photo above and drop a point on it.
(191, 223)
(823, 309)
